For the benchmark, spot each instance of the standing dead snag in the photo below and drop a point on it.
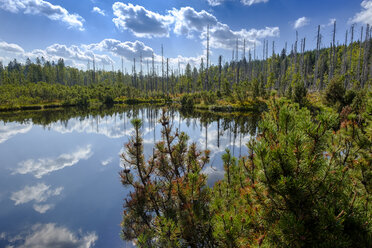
(317, 58)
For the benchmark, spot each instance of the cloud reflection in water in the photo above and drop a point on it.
(51, 235)
(44, 166)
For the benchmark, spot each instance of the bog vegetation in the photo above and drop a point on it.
(306, 182)
(307, 179)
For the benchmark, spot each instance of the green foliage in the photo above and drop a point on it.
(168, 206)
(335, 92)
(303, 176)
(208, 97)
(187, 101)
(306, 182)
(299, 94)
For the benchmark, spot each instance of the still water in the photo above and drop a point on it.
(59, 181)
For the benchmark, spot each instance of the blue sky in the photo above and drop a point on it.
(77, 30)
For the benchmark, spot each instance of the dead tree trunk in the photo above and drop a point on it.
(219, 72)
(162, 68)
(317, 57)
(360, 56)
(167, 75)
(350, 57)
(344, 64)
(365, 58)
(334, 50)
(295, 54)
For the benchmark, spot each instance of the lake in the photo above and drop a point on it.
(59, 169)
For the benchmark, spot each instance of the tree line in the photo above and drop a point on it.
(241, 77)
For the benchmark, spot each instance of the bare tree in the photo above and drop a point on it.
(219, 72)
(360, 56)
(167, 75)
(344, 64)
(365, 57)
(317, 57)
(351, 55)
(162, 68)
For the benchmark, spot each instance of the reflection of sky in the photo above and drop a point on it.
(59, 184)
(9, 130)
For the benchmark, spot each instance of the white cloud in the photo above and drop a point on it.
(128, 50)
(109, 127)
(221, 36)
(187, 20)
(106, 161)
(98, 11)
(42, 208)
(244, 2)
(11, 48)
(251, 2)
(75, 53)
(41, 7)
(72, 55)
(38, 194)
(365, 15)
(44, 166)
(9, 130)
(331, 21)
(140, 21)
(51, 235)
(193, 61)
(301, 22)
(215, 2)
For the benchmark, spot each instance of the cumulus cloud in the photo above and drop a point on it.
(184, 21)
(187, 20)
(140, 21)
(10, 130)
(251, 2)
(301, 22)
(73, 55)
(44, 166)
(221, 36)
(11, 48)
(41, 7)
(365, 15)
(52, 235)
(38, 194)
(128, 50)
(98, 11)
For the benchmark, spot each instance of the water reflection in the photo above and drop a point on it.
(38, 193)
(59, 170)
(51, 235)
(44, 166)
(9, 130)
